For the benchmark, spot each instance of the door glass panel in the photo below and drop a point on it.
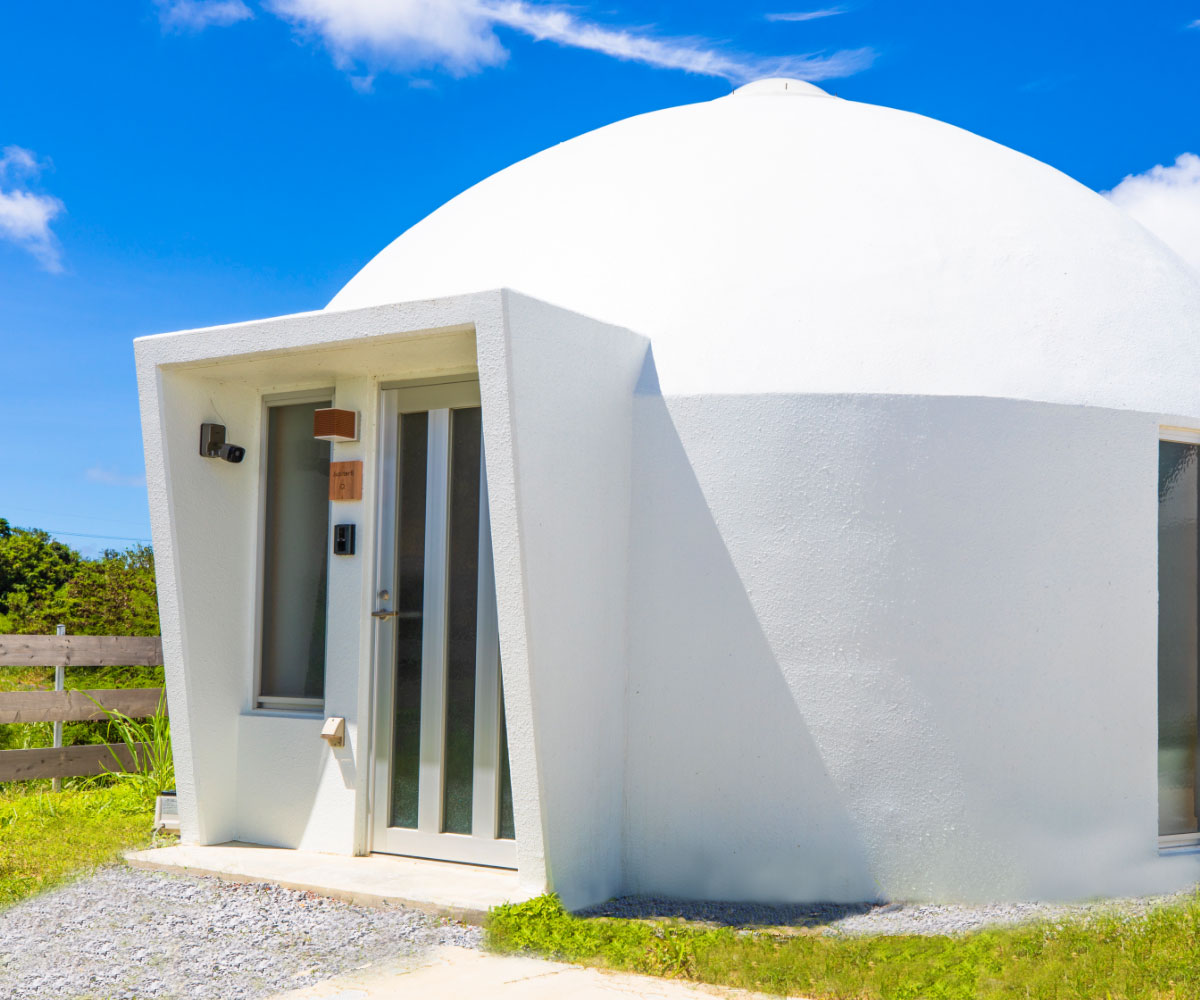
(1178, 608)
(506, 828)
(461, 618)
(409, 601)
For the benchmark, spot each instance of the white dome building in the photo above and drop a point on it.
(831, 561)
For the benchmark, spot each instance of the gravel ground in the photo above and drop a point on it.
(869, 918)
(125, 933)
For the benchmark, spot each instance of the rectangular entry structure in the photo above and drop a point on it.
(495, 440)
(442, 787)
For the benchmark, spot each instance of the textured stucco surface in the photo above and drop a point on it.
(571, 409)
(892, 646)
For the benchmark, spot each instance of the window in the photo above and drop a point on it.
(1178, 652)
(295, 547)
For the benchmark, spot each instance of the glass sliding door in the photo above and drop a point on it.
(441, 782)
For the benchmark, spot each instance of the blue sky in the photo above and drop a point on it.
(182, 163)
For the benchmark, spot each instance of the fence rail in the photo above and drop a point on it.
(77, 706)
(80, 651)
(74, 706)
(65, 762)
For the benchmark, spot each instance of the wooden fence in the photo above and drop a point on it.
(74, 706)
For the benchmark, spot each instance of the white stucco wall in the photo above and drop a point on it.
(568, 401)
(893, 646)
(280, 759)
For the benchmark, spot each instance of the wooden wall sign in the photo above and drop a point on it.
(345, 480)
(330, 424)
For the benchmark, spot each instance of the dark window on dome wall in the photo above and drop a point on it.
(1178, 640)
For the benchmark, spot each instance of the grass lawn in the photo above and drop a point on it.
(1105, 957)
(46, 837)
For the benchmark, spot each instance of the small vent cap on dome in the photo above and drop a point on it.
(780, 86)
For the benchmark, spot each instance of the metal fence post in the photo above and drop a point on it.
(60, 678)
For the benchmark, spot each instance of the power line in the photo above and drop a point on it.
(110, 538)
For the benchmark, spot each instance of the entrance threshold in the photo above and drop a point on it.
(463, 892)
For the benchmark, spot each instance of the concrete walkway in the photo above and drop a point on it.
(453, 973)
(464, 892)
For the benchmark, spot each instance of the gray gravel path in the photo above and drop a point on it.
(124, 933)
(869, 918)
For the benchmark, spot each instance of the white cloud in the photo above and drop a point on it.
(398, 34)
(1166, 200)
(460, 37)
(107, 476)
(196, 15)
(25, 216)
(807, 15)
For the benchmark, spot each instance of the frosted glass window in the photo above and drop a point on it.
(461, 619)
(296, 543)
(1178, 615)
(410, 605)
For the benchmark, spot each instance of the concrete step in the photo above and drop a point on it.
(463, 892)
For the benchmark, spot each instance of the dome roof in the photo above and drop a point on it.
(783, 240)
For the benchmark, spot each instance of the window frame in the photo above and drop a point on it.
(1171, 843)
(259, 703)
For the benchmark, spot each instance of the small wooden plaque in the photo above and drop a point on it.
(345, 480)
(330, 424)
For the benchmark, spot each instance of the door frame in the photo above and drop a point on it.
(476, 847)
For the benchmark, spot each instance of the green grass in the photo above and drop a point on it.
(1105, 957)
(47, 837)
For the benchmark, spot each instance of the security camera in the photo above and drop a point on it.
(213, 444)
(231, 452)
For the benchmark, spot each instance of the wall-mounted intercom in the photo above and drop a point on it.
(343, 539)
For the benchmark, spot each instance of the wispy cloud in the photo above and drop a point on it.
(107, 476)
(807, 15)
(459, 36)
(25, 216)
(1166, 200)
(1195, 23)
(196, 15)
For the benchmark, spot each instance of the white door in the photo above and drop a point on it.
(441, 786)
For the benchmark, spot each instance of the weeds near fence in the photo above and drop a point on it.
(149, 743)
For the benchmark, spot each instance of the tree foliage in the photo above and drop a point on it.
(32, 567)
(44, 583)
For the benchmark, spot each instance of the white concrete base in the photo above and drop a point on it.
(460, 972)
(465, 892)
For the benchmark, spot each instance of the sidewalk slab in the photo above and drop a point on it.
(451, 973)
(463, 892)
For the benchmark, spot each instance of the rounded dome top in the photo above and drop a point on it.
(822, 245)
